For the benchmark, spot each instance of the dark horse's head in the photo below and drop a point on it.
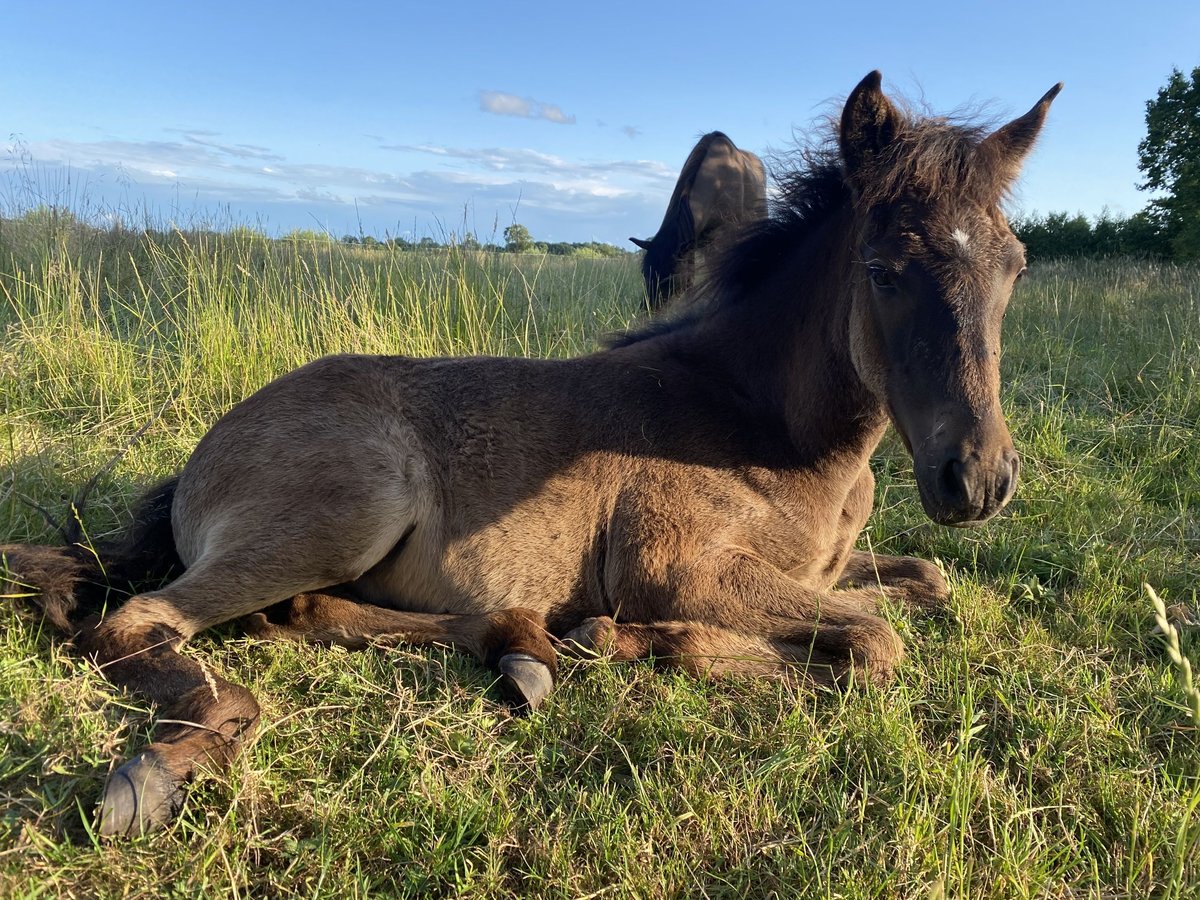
(659, 262)
(936, 263)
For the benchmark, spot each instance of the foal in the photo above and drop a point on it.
(693, 493)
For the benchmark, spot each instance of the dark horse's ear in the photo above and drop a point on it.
(1007, 147)
(869, 124)
(645, 245)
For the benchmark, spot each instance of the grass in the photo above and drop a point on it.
(1037, 744)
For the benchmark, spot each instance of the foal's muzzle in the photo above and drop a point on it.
(962, 490)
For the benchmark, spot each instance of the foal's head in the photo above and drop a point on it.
(937, 265)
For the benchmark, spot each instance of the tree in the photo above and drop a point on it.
(1141, 236)
(517, 238)
(1169, 157)
(1106, 234)
(1057, 235)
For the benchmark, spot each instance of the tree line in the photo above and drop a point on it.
(517, 239)
(1059, 235)
(56, 225)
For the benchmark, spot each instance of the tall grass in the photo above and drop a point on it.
(103, 337)
(1034, 745)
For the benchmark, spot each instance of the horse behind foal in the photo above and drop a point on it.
(692, 494)
(719, 190)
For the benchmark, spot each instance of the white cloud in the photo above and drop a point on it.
(513, 159)
(504, 104)
(501, 104)
(194, 179)
(552, 113)
(202, 138)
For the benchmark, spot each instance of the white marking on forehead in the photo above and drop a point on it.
(960, 237)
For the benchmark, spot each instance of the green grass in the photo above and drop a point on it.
(1036, 744)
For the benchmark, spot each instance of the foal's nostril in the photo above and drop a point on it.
(952, 483)
(1006, 480)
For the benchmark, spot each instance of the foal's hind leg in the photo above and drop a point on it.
(916, 583)
(204, 720)
(512, 642)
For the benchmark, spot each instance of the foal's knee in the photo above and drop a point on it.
(917, 583)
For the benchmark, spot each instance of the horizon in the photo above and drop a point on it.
(423, 122)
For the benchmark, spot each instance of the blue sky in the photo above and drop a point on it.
(572, 119)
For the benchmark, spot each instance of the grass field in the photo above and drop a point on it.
(1036, 744)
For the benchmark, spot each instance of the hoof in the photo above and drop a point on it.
(525, 680)
(140, 797)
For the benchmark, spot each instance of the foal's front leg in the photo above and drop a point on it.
(916, 583)
(705, 650)
(735, 613)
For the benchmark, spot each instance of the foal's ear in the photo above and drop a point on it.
(1007, 147)
(869, 124)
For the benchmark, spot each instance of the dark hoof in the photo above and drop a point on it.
(525, 680)
(140, 797)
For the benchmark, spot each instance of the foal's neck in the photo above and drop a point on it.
(791, 336)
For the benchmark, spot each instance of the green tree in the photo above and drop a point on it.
(1141, 236)
(1106, 234)
(1169, 157)
(517, 238)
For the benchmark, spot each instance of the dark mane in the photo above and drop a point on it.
(931, 157)
(808, 194)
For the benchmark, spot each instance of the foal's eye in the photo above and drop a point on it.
(1021, 274)
(880, 277)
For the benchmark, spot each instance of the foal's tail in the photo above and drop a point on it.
(72, 582)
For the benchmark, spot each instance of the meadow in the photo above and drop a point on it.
(1037, 743)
